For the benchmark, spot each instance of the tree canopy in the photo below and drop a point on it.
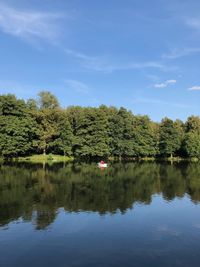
(42, 126)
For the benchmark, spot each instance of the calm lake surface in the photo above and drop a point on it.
(133, 214)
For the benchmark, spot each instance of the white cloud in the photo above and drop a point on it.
(194, 23)
(160, 85)
(79, 55)
(170, 81)
(164, 84)
(77, 86)
(28, 24)
(178, 53)
(103, 64)
(194, 88)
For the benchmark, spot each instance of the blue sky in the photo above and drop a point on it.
(143, 55)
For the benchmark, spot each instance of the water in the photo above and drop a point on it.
(135, 214)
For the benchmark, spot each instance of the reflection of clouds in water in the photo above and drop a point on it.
(150, 252)
(197, 225)
(72, 223)
(15, 222)
(165, 229)
(4, 228)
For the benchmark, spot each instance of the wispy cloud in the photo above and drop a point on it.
(164, 84)
(103, 64)
(194, 88)
(29, 24)
(79, 55)
(178, 53)
(77, 86)
(193, 23)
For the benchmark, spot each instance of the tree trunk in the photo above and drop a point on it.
(43, 165)
(171, 158)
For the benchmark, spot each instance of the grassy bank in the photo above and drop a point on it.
(45, 158)
(156, 159)
(51, 158)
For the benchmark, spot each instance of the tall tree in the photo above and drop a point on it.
(192, 144)
(18, 129)
(193, 124)
(17, 135)
(10, 105)
(121, 133)
(32, 104)
(63, 141)
(47, 120)
(47, 100)
(145, 140)
(192, 137)
(180, 127)
(91, 134)
(170, 138)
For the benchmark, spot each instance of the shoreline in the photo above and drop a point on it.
(51, 158)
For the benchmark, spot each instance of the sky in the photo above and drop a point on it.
(142, 55)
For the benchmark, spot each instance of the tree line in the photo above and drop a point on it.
(41, 125)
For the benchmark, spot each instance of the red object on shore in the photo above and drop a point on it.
(102, 162)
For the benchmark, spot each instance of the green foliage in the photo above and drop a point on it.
(47, 100)
(145, 141)
(33, 127)
(63, 142)
(121, 133)
(16, 135)
(44, 158)
(32, 104)
(91, 133)
(170, 138)
(193, 124)
(50, 157)
(10, 105)
(192, 139)
(47, 120)
(192, 144)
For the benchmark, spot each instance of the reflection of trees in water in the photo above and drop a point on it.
(193, 182)
(172, 181)
(35, 193)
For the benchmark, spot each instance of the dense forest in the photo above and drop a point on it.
(40, 125)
